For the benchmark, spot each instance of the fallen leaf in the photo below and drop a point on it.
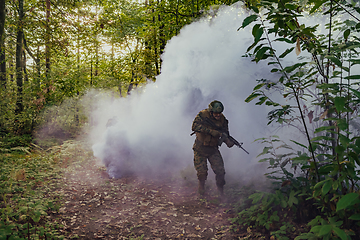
(323, 115)
(297, 48)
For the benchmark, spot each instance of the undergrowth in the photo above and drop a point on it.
(28, 197)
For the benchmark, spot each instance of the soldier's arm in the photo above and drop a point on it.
(199, 126)
(226, 126)
(227, 139)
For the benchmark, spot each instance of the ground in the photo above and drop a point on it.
(97, 207)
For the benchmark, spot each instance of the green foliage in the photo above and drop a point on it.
(267, 212)
(321, 99)
(11, 141)
(73, 46)
(27, 197)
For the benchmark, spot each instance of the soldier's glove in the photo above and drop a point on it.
(214, 133)
(228, 142)
(224, 135)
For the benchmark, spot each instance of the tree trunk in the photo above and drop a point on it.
(153, 56)
(133, 77)
(19, 51)
(2, 45)
(96, 58)
(162, 42)
(11, 71)
(26, 77)
(38, 69)
(47, 40)
(148, 44)
(91, 72)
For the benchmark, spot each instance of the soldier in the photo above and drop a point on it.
(206, 145)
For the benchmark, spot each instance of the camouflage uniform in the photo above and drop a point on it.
(206, 148)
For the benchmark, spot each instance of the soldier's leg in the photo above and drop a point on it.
(200, 164)
(217, 165)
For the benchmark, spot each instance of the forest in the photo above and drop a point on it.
(54, 52)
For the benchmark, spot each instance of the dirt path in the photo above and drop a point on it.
(96, 207)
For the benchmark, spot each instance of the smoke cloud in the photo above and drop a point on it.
(149, 131)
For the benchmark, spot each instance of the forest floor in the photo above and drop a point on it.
(98, 207)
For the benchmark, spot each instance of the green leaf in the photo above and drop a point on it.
(298, 143)
(308, 236)
(261, 100)
(342, 123)
(326, 169)
(315, 229)
(339, 103)
(258, 86)
(355, 217)
(292, 199)
(317, 6)
(339, 149)
(284, 40)
(302, 157)
(265, 151)
(252, 97)
(259, 32)
(344, 140)
(353, 77)
(325, 229)
(334, 60)
(326, 86)
(346, 201)
(326, 187)
(36, 217)
(322, 138)
(248, 20)
(283, 203)
(319, 184)
(340, 233)
(255, 29)
(256, 197)
(252, 46)
(293, 67)
(356, 92)
(320, 129)
(261, 52)
(287, 51)
(346, 33)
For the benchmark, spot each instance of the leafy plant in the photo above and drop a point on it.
(321, 96)
(27, 198)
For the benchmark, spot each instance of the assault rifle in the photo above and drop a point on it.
(224, 134)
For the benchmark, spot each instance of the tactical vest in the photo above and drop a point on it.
(207, 140)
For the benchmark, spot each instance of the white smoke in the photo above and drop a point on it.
(203, 63)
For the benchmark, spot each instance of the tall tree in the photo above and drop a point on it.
(19, 52)
(47, 38)
(2, 44)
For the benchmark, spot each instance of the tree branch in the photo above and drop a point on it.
(29, 51)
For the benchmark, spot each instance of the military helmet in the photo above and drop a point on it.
(216, 107)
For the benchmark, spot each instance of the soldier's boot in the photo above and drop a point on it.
(221, 190)
(201, 189)
(220, 182)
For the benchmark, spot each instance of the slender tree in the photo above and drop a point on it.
(2, 44)
(19, 51)
(47, 38)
